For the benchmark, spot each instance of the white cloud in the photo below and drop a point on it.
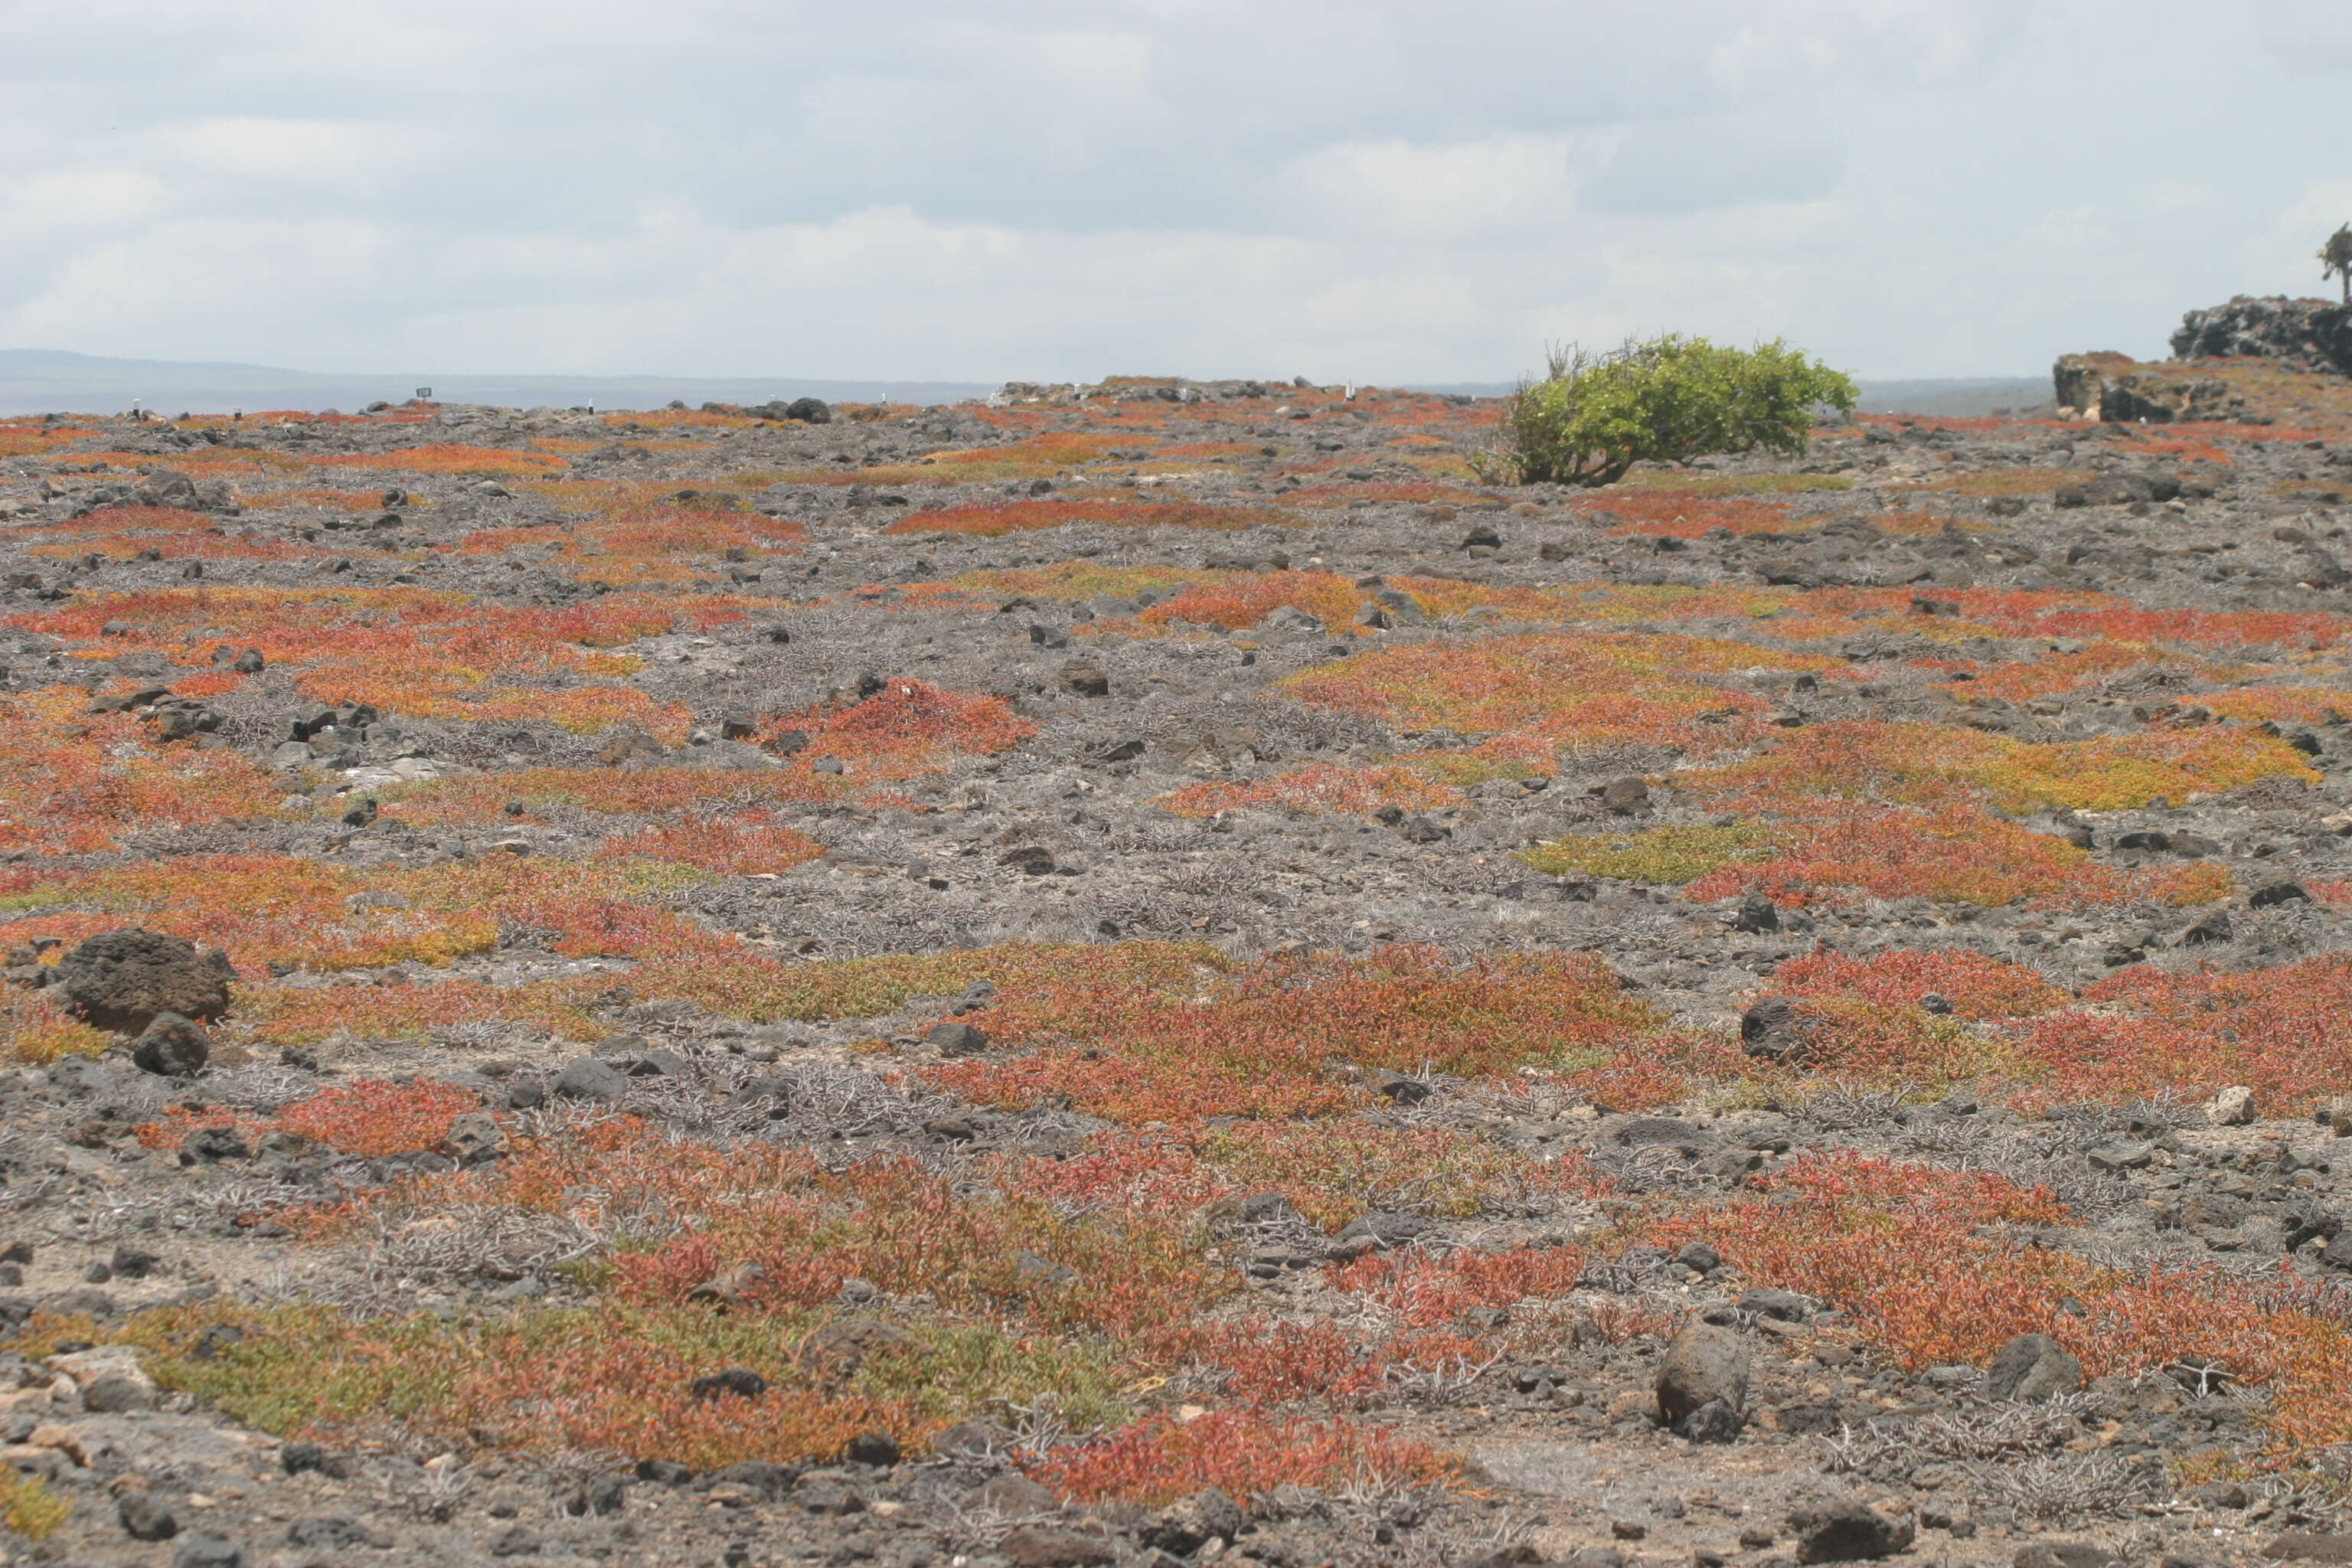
(1374, 188)
(91, 199)
(302, 150)
(2292, 239)
(1442, 194)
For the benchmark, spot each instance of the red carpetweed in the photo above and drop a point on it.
(908, 727)
(1162, 1458)
(1281, 1037)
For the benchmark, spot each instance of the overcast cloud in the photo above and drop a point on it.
(982, 191)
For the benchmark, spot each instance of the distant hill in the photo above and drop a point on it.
(1959, 397)
(42, 381)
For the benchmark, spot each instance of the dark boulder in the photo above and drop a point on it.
(1772, 1029)
(122, 979)
(1190, 1524)
(145, 1519)
(1626, 797)
(2032, 1367)
(735, 1382)
(172, 1046)
(169, 487)
(1048, 1546)
(1848, 1530)
(588, 1078)
(954, 1039)
(1706, 1364)
(2314, 333)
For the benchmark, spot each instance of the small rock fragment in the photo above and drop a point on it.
(1086, 680)
(1047, 1546)
(1188, 1524)
(2233, 1107)
(208, 1551)
(1848, 1530)
(144, 1519)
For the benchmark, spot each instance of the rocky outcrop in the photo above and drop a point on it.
(2314, 334)
(2081, 381)
(2111, 387)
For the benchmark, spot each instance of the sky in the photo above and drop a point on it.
(1364, 190)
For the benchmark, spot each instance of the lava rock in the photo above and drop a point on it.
(172, 1046)
(841, 1346)
(473, 1139)
(876, 1448)
(335, 1531)
(589, 1078)
(1848, 1530)
(735, 1382)
(296, 1457)
(761, 1478)
(1705, 1363)
(1773, 1029)
(2233, 1107)
(1011, 1495)
(2066, 1554)
(601, 1498)
(2032, 1367)
(122, 979)
(1769, 1301)
(1717, 1421)
(1185, 1526)
(972, 1440)
(1625, 797)
(2210, 929)
(829, 1494)
(1378, 1231)
(1086, 680)
(956, 1039)
(144, 1519)
(514, 1540)
(1047, 1546)
(211, 1146)
(132, 1263)
(208, 1551)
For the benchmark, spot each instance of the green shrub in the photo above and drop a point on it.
(1669, 399)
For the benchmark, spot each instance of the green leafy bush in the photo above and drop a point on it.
(1669, 399)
